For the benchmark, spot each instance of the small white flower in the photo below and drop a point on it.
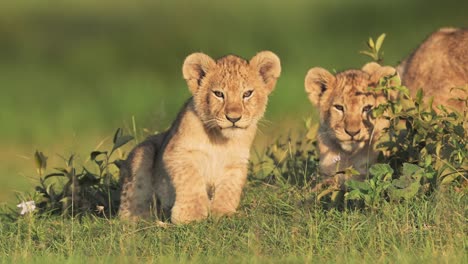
(336, 159)
(27, 207)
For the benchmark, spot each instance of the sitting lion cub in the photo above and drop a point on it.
(199, 166)
(347, 131)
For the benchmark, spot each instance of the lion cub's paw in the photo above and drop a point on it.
(189, 212)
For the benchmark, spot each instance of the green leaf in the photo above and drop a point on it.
(70, 161)
(350, 171)
(431, 101)
(379, 42)
(54, 175)
(62, 170)
(120, 142)
(398, 108)
(370, 43)
(395, 80)
(419, 96)
(402, 89)
(370, 54)
(96, 153)
(41, 162)
(427, 161)
(406, 193)
(379, 110)
(430, 173)
(358, 185)
(410, 169)
(354, 195)
(402, 182)
(117, 134)
(65, 200)
(450, 178)
(50, 191)
(381, 170)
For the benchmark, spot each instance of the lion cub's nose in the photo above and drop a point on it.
(233, 119)
(352, 133)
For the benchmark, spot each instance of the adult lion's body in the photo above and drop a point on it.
(347, 131)
(439, 64)
(199, 166)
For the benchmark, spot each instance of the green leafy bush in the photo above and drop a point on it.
(289, 161)
(77, 190)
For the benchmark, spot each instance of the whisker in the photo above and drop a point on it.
(264, 124)
(210, 123)
(265, 121)
(260, 132)
(210, 120)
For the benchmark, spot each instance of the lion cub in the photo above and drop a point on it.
(347, 132)
(439, 64)
(199, 166)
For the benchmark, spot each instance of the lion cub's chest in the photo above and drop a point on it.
(216, 160)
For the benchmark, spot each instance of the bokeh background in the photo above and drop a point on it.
(71, 72)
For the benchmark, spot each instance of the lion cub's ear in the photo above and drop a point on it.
(195, 67)
(371, 67)
(317, 81)
(268, 66)
(377, 72)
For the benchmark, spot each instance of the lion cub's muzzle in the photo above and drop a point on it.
(353, 133)
(233, 118)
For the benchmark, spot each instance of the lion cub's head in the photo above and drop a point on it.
(231, 93)
(345, 103)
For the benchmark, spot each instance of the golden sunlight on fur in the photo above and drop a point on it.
(348, 131)
(199, 166)
(437, 66)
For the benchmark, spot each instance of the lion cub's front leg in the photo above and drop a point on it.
(191, 202)
(228, 190)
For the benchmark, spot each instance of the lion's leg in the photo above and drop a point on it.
(191, 202)
(137, 196)
(228, 191)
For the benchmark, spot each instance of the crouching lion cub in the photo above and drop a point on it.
(199, 166)
(439, 64)
(348, 131)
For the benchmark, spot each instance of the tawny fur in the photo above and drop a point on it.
(439, 64)
(347, 132)
(199, 166)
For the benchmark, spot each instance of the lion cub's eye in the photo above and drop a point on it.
(339, 108)
(219, 94)
(247, 94)
(367, 108)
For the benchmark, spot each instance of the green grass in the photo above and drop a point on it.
(275, 224)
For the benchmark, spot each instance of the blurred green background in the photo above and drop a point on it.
(71, 72)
